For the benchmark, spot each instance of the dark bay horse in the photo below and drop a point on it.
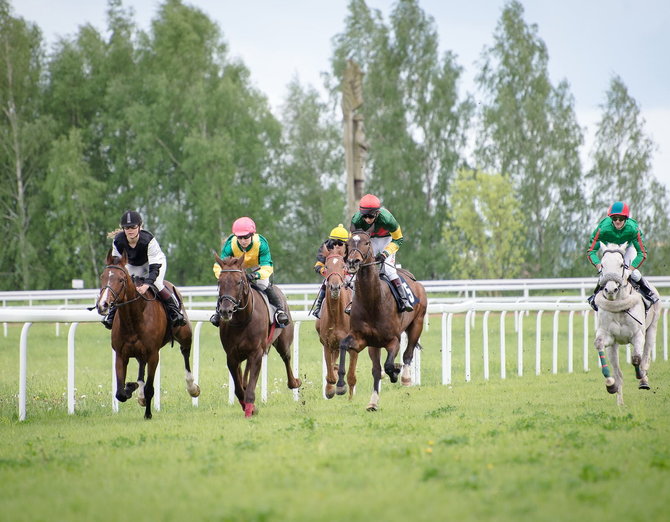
(246, 331)
(375, 319)
(140, 330)
(333, 325)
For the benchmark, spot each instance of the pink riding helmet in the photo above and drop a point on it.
(243, 226)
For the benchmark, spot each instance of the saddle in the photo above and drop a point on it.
(272, 310)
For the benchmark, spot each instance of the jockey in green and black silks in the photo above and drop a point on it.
(618, 227)
(385, 236)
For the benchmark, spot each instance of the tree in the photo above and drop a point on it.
(24, 135)
(528, 132)
(622, 162)
(415, 123)
(486, 227)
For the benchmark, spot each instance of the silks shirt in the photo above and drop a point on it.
(384, 225)
(606, 232)
(256, 254)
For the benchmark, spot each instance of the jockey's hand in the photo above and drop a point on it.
(252, 276)
(322, 271)
(142, 289)
(381, 257)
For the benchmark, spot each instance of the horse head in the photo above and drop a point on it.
(614, 271)
(234, 290)
(359, 251)
(114, 283)
(335, 271)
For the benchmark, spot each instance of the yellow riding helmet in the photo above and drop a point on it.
(339, 232)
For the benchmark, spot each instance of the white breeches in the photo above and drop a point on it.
(143, 271)
(378, 244)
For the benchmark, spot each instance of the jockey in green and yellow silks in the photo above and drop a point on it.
(244, 241)
(385, 236)
(619, 228)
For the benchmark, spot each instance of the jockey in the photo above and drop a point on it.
(618, 227)
(245, 241)
(386, 238)
(145, 260)
(337, 237)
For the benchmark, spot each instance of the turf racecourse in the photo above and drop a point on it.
(547, 447)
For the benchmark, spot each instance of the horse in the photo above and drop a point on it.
(375, 320)
(333, 325)
(622, 320)
(140, 329)
(247, 332)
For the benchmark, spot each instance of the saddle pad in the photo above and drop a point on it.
(408, 290)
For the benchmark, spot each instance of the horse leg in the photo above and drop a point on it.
(284, 348)
(345, 344)
(351, 373)
(140, 383)
(613, 354)
(610, 382)
(413, 333)
(152, 364)
(375, 357)
(254, 368)
(123, 391)
(329, 357)
(236, 373)
(389, 365)
(191, 386)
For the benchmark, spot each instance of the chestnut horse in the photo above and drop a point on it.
(375, 319)
(140, 330)
(333, 325)
(246, 331)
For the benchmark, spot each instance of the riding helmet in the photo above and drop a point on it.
(369, 204)
(130, 218)
(339, 232)
(619, 208)
(244, 226)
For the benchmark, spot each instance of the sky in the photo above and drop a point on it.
(588, 41)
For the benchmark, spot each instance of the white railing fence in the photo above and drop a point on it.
(470, 308)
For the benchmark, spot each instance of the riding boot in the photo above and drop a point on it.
(645, 290)
(280, 314)
(347, 309)
(108, 321)
(174, 313)
(404, 300)
(316, 312)
(592, 300)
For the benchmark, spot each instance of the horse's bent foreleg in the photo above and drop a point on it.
(191, 386)
(253, 370)
(140, 384)
(235, 372)
(389, 365)
(123, 390)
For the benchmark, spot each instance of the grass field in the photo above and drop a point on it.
(547, 447)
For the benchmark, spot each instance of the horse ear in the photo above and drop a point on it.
(241, 259)
(124, 259)
(110, 259)
(217, 258)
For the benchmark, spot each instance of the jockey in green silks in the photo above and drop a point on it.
(618, 227)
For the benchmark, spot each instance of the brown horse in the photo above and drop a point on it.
(333, 325)
(246, 331)
(140, 330)
(375, 319)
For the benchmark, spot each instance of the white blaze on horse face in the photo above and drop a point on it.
(356, 237)
(335, 261)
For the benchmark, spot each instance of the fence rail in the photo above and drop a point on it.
(447, 311)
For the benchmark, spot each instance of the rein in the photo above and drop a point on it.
(116, 296)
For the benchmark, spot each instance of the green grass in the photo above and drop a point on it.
(547, 447)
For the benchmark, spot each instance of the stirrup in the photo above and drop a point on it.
(215, 320)
(407, 307)
(281, 317)
(107, 324)
(592, 302)
(347, 310)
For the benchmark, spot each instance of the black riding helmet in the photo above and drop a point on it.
(130, 218)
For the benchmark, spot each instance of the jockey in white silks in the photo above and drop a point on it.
(619, 228)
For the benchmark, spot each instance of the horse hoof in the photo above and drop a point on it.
(405, 381)
(297, 383)
(195, 391)
(644, 386)
(612, 389)
(330, 392)
(121, 397)
(341, 390)
(249, 409)
(371, 407)
(148, 416)
(142, 401)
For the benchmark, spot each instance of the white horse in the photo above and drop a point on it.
(622, 320)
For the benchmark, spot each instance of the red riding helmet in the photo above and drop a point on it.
(619, 208)
(244, 226)
(369, 204)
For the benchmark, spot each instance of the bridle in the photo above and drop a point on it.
(611, 276)
(236, 302)
(363, 255)
(117, 295)
(331, 274)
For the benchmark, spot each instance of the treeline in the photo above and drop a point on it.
(485, 185)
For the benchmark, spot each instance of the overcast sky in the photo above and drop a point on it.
(588, 41)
